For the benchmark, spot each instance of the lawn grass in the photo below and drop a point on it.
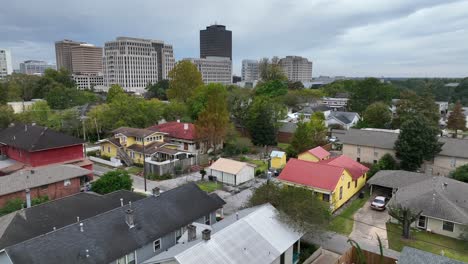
(343, 222)
(209, 186)
(261, 164)
(453, 248)
(283, 146)
(134, 170)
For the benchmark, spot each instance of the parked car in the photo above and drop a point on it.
(379, 203)
(332, 139)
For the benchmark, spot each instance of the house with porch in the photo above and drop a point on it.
(334, 180)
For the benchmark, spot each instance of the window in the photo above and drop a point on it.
(349, 185)
(355, 184)
(103, 148)
(358, 150)
(341, 192)
(358, 159)
(66, 183)
(207, 220)
(282, 259)
(325, 197)
(376, 154)
(453, 163)
(108, 149)
(375, 161)
(422, 221)
(179, 233)
(127, 259)
(447, 226)
(157, 245)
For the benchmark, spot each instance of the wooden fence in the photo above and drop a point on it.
(351, 257)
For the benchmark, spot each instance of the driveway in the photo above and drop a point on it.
(368, 224)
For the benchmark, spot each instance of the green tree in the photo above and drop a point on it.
(405, 216)
(308, 135)
(262, 120)
(114, 91)
(411, 104)
(6, 116)
(213, 121)
(273, 88)
(113, 181)
(387, 162)
(368, 91)
(157, 90)
(39, 113)
(460, 173)
(184, 78)
(417, 141)
(341, 86)
(457, 119)
(270, 70)
(238, 103)
(378, 115)
(176, 111)
(61, 76)
(295, 85)
(297, 206)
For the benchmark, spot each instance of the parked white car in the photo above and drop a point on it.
(379, 203)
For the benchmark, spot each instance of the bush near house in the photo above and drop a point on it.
(113, 181)
(17, 204)
(154, 177)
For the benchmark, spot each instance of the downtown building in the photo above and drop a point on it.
(214, 69)
(133, 63)
(6, 66)
(296, 68)
(250, 70)
(35, 67)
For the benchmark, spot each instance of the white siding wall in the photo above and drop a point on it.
(223, 176)
(288, 258)
(246, 174)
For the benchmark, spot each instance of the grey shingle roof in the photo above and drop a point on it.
(40, 219)
(438, 197)
(36, 177)
(454, 147)
(385, 140)
(397, 178)
(411, 255)
(35, 138)
(108, 237)
(344, 117)
(287, 127)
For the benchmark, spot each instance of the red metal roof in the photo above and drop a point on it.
(177, 130)
(319, 152)
(312, 174)
(355, 168)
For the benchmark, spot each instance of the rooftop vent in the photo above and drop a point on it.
(130, 218)
(206, 234)
(81, 227)
(191, 232)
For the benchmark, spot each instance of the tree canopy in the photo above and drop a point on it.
(270, 70)
(184, 78)
(411, 104)
(157, 90)
(367, 92)
(272, 88)
(378, 115)
(308, 135)
(460, 173)
(112, 181)
(262, 120)
(457, 119)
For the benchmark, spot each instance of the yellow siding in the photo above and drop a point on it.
(307, 157)
(137, 157)
(130, 141)
(346, 179)
(108, 149)
(278, 163)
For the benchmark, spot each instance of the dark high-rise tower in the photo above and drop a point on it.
(216, 41)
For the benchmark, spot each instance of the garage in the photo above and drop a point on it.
(386, 182)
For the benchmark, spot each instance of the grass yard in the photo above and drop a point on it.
(209, 186)
(283, 146)
(134, 170)
(453, 248)
(343, 222)
(261, 164)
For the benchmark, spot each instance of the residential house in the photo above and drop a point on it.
(253, 235)
(184, 135)
(334, 180)
(41, 219)
(315, 154)
(339, 102)
(277, 159)
(286, 131)
(22, 106)
(131, 233)
(231, 172)
(441, 200)
(53, 181)
(411, 255)
(29, 146)
(342, 119)
(369, 145)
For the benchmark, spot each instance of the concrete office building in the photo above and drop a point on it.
(6, 66)
(250, 71)
(297, 68)
(63, 53)
(133, 62)
(216, 41)
(88, 82)
(214, 69)
(35, 67)
(86, 59)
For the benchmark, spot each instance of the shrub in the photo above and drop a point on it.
(154, 177)
(113, 181)
(92, 153)
(11, 206)
(105, 157)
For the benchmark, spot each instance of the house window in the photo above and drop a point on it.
(422, 222)
(375, 161)
(349, 185)
(358, 159)
(453, 163)
(66, 183)
(103, 149)
(207, 220)
(447, 226)
(325, 197)
(157, 245)
(127, 259)
(355, 184)
(376, 154)
(179, 232)
(108, 149)
(341, 192)
(358, 150)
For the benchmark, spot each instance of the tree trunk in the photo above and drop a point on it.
(406, 228)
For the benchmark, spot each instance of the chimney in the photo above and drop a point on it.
(77, 219)
(121, 202)
(156, 192)
(178, 120)
(185, 126)
(206, 234)
(81, 227)
(130, 218)
(28, 198)
(191, 232)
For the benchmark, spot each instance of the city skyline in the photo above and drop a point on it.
(358, 38)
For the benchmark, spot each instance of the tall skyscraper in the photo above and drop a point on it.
(35, 67)
(86, 59)
(216, 41)
(63, 53)
(297, 68)
(6, 66)
(214, 69)
(133, 62)
(250, 70)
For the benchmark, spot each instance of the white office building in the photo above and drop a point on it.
(214, 69)
(35, 67)
(297, 69)
(88, 82)
(133, 62)
(250, 71)
(6, 66)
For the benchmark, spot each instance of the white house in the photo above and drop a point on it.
(231, 171)
(344, 119)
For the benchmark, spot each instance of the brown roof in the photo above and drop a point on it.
(149, 148)
(133, 132)
(229, 165)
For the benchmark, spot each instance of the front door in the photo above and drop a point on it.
(422, 222)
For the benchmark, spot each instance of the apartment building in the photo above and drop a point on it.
(6, 67)
(63, 53)
(35, 67)
(88, 82)
(214, 69)
(86, 59)
(297, 68)
(250, 70)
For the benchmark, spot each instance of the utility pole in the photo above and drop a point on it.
(144, 162)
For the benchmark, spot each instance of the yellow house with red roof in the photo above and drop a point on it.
(334, 180)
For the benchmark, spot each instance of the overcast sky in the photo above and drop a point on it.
(421, 38)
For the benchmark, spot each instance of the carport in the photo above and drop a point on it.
(387, 182)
